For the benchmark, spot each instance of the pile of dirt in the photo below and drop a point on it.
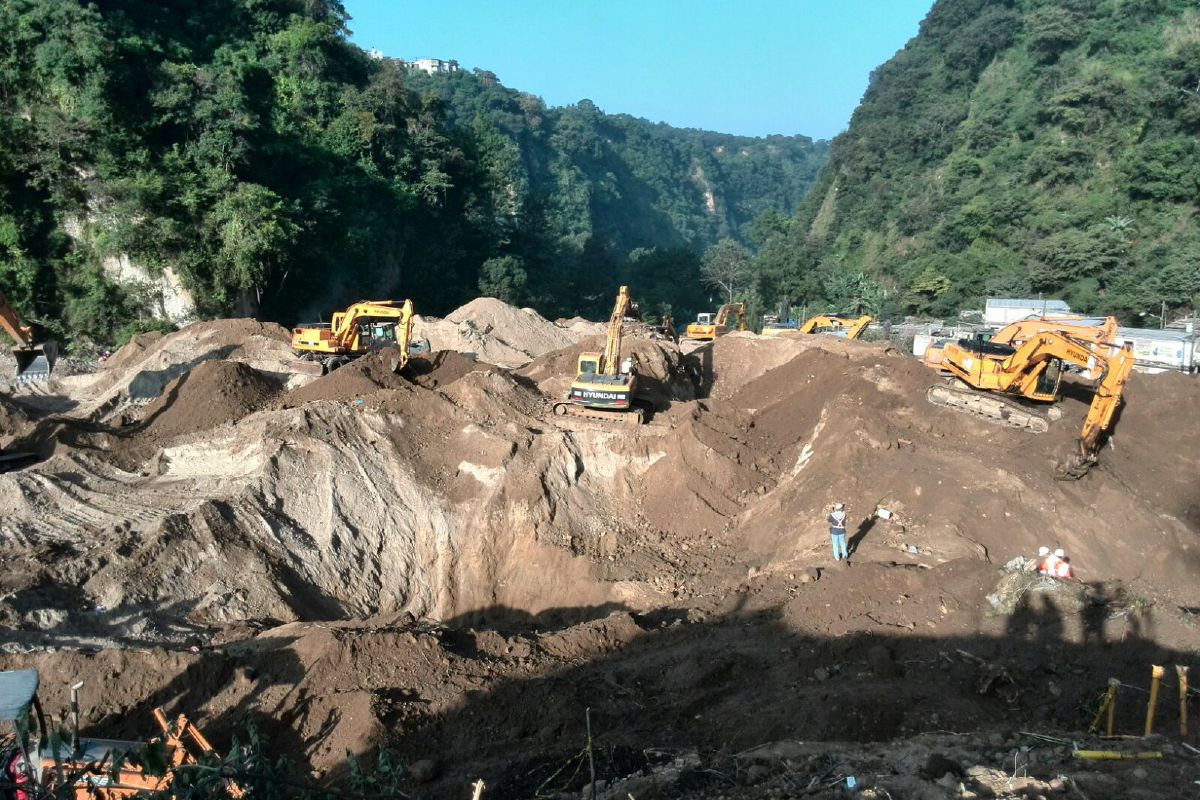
(211, 394)
(14, 421)
(359, 378)
(496, 332)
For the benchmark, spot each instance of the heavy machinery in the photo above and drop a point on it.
(34, 361)
(988, 377)
(364, 327)
(604, 388)
(848, 327)
(1017, 333)
(36, 762)
(709, 326)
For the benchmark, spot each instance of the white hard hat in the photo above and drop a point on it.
(1043, 551)
(1059, 553)
(839, 506)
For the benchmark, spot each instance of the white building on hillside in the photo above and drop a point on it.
(434, 66)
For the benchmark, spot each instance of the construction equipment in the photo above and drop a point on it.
(364, 327)
(36, 762)
(850, 328)
(604, 388)
(34, 361)
(986, 375)
(709, 326)
(1017, 333)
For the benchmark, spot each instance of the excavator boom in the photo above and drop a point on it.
(34, 361)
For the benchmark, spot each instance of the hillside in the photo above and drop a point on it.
(1015, 147)
(630, 181)
(241, 156)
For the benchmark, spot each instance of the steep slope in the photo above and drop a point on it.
(631, 181)
(1020, 146)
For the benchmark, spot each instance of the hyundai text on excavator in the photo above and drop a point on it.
(604, 388)
(364, 327)
(986, 374)
(851, 328)
(709, 326)
(36, 762)
(34, 361)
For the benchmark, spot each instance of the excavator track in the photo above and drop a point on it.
(634, 416)
(987, 406)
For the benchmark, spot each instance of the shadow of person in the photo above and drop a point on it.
(864, 528)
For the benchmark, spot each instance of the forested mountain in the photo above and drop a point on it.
(248, 150)
(1014, 147)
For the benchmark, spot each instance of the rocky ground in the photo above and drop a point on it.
(435, 564)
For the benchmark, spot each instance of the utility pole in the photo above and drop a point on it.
(1162, 317)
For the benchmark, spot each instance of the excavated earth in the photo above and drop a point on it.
(434, 564)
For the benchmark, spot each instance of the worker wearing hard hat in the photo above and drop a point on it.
(837, 531)
(1047, 562)
(1062, 566)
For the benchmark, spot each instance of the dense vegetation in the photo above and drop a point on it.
(1013, 147)
(273, 166)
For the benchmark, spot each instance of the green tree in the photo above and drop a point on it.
(504, 278)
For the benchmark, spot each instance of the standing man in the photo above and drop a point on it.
(837, 531)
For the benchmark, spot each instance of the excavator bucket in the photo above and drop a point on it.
(35, 363)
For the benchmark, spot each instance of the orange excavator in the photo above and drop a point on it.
(987, 377)
(1017, 333)
(364, 327)
(34, 361)
(709, 326)
(37, 763)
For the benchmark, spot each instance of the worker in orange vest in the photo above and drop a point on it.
(1049, 561)
(1062, 566)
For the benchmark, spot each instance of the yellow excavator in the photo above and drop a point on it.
(709, 326)
(850, 328)
(34, 361)
(364, 327)
(604, 386)
(1017, 333)
(987, 376)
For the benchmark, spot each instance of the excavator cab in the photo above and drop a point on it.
(376, 334)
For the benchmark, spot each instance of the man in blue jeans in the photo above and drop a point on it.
(837, 531)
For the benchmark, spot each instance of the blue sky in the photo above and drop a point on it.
(752, 67)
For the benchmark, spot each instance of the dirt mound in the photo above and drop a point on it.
(496, 332)
(13, 420)
(211, 394)
(442, 368)
(359, 378)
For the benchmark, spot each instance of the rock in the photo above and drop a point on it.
(423, 771)
(1140, 773)
(948, 781)
(882, 663)
(805, 578)
(821, 674)
(45, 619)
(996, 739)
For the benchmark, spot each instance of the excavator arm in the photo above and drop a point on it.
(1100, 414)
(34, 360)
(616, 324)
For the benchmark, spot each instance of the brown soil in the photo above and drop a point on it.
(434, 563)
